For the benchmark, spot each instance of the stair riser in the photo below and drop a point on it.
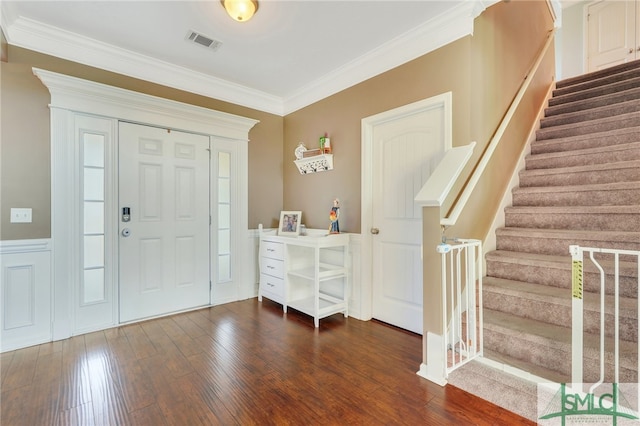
(593, 221)
(556, 246)
(594, 92)
(586, 177)
(552, 355)
(535, 162)
(588, 127)
(587, 104)
(624, 136)
(558, 313)
(561, 277)
(587, 115)
(618, 197)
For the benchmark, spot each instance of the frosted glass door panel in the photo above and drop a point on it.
(92, 289)
(94, 217)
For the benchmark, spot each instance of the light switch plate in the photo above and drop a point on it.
(20, 215)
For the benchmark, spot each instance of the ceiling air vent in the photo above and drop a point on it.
(203, 40)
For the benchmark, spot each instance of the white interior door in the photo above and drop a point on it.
(405, 149)
(164, 257)
(611, 33)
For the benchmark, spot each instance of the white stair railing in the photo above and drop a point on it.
(462, 302)
(577, 293)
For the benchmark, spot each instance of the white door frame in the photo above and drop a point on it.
(69, 96)
(368, 124)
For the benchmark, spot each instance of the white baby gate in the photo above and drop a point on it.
(577, 292)
(461, 301)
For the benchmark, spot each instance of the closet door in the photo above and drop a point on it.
(164, 221)
(611, 34)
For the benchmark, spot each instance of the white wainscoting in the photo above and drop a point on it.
(355, 283)
(25, 291)
(250, 266)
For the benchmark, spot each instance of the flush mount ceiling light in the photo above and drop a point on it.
(240, 10)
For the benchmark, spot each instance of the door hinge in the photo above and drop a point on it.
(209, 220)
(210, 285)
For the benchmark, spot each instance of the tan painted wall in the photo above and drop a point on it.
(340, 115)
(24, 141)
(506, 41)
(507, 38)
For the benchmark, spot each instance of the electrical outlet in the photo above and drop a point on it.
(21, 215)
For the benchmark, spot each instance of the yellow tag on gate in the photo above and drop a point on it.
(576, 279)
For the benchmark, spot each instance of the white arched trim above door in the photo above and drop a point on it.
(72, 96)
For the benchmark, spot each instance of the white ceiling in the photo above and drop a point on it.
(290, 54)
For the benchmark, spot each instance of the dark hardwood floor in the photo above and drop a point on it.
(244, 363)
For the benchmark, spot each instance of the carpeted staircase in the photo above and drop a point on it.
(581, 185)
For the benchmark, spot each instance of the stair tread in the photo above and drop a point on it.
(573, 233)
(507, 390)
(533, 369)
(543, 133)
(558, 295)
(618, 165)
(629, 132)
(576, 188)
(588, 114)
(556, 261)
(574, 209)
(593, 91)
(616, 69)
(556, 336)
(584, 105)
(585, 151)
(598, 82)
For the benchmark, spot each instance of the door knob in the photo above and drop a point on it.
(375, 231)
(630, 50)
(126, 232)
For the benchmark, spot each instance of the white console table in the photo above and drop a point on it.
(307, 273)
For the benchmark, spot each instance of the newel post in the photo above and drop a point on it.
(433, 352)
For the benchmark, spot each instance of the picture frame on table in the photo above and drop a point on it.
(290, 221)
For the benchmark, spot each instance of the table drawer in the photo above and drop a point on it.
(272, 250)
(272, 285)
(272, 267)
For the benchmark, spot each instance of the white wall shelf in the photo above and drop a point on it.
(317, 163)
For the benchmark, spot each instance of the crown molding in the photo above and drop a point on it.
(435, 33)
(43, 38)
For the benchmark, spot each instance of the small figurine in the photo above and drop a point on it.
(334, 228)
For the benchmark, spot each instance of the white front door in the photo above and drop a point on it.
(404, 151)
(164, 247)
(611, 34)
